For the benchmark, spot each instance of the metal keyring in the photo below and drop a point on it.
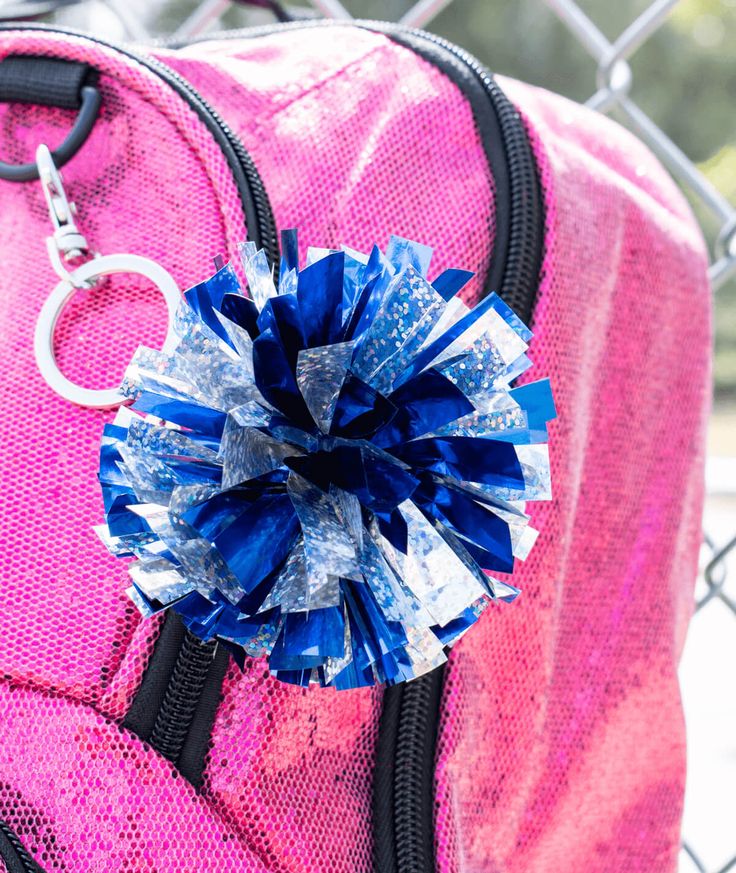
(43, 343)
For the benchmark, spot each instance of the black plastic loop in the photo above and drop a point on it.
(88, 111)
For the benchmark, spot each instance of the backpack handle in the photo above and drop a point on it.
(50, 82)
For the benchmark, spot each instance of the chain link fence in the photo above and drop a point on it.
(612, 89)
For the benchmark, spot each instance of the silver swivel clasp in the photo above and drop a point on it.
(67, 243)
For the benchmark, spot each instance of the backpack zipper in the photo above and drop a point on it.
(14, 854)
(403, 795)
(175, 705)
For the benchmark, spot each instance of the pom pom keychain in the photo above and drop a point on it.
(329, 473)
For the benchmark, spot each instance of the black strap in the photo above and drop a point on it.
(44, 81)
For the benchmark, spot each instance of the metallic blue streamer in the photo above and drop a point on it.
(320, 300)
(425, 403)
(270, 528)
(466, 458)
(206, 297)
(360, 411)
(241, 311)
(487, 535)
(450, 282)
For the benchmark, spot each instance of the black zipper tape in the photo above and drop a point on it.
(141, 715)
(183, 724)
(14, 854)
(193, 754)
(403, 799)
(403, 782)
(384, 835)
(175, 705)
(416, 743)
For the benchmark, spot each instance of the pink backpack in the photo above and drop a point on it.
(553, 739)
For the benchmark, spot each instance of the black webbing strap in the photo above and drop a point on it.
(45, 81)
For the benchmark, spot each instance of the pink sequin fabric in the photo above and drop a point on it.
(561, 743)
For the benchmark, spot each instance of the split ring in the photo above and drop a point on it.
(43, 344)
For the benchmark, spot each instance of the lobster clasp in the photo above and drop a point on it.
(67, 242)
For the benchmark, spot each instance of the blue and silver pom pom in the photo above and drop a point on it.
(328, 473)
